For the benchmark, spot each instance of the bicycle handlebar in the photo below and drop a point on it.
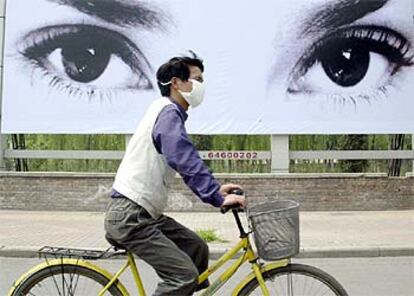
(238, 208)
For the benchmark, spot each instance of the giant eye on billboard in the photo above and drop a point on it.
(271, 67)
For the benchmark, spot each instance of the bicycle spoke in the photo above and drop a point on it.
(77, 278)
(76, 283)
(289, 285)
(63, 280)
(55, 281)
(67, 282)
(311, 287)
(71, 291)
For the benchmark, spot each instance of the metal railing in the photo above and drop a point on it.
(280, 154)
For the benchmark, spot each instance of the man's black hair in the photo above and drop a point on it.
(177, 67)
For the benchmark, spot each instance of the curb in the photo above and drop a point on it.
(333, 252)
(216, 252)
(354, 252)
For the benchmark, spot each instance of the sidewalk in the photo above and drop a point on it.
(323, 234)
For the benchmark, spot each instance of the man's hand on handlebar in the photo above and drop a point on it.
(233, 199)
(226, 189)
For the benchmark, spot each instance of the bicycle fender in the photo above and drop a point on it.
(68, 261)
(251, 275)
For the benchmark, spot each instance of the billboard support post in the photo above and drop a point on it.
(280, 153)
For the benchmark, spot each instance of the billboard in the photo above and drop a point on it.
(272, 67)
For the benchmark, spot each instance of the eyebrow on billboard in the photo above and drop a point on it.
(119, 12)
(339, 13)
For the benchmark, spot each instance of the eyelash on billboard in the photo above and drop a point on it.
(384, 41)
(38, 44)
(88, 92)
(343, 100)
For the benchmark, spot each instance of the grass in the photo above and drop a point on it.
(209, 235)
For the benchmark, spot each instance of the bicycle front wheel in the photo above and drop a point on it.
(296, 280)
(65, 280)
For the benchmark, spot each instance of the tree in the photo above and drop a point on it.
(396, 142)
(353, 142)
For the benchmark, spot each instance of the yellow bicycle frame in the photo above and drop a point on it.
(134, 269)
(243, 244)
(248, 256)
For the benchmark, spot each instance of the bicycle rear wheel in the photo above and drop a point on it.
(65, 280)
(296, 280)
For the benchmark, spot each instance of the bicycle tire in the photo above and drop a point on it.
(66, 277)
(288, 274)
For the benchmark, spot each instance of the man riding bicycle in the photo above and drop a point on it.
(159, 148)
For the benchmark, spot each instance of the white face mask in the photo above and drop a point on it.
(196, 96)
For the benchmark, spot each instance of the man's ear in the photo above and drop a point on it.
(175, 83)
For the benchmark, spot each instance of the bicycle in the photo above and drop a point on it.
(71, 269)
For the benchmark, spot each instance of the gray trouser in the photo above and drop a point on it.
(176, 253)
